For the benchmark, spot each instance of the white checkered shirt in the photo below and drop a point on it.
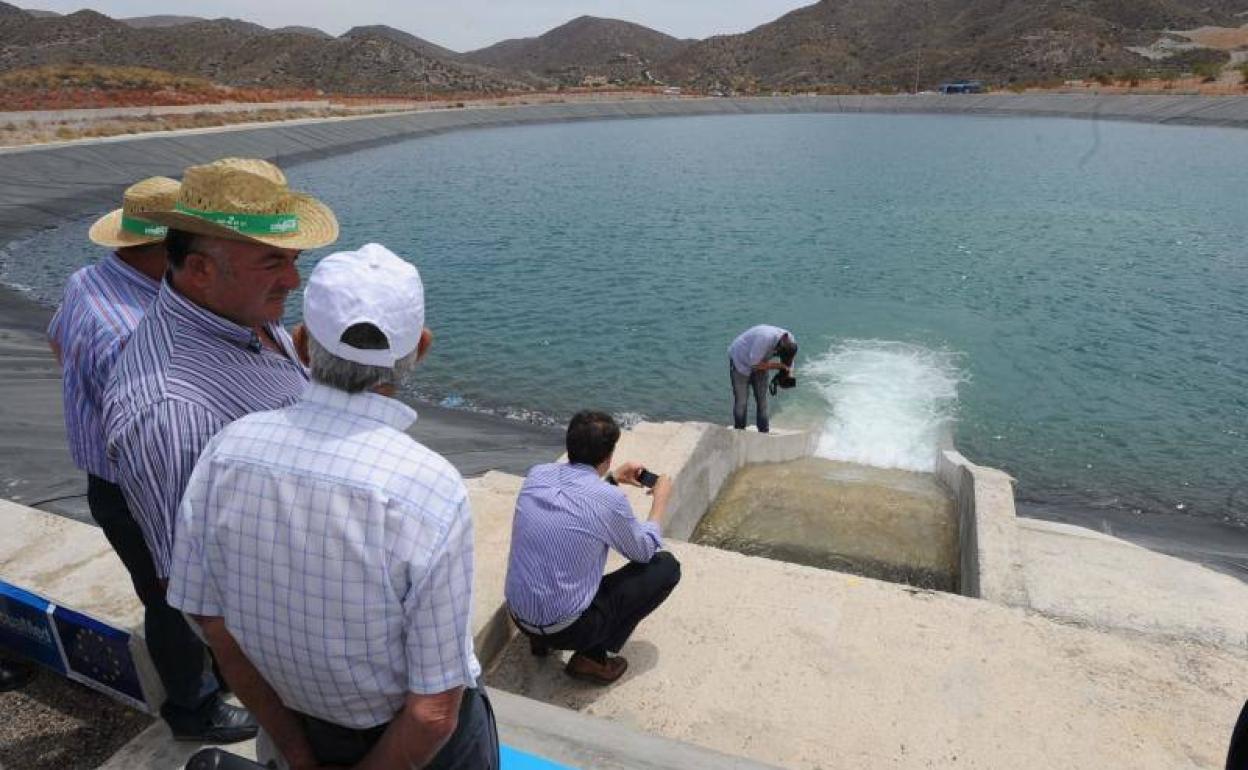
(339, 552)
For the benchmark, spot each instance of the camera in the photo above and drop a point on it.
(783, 380)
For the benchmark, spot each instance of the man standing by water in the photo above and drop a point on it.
(749, 361)
(102, 306)
(329, 556)
(210, 350)
(567, 517)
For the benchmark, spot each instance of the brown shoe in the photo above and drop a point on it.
(587, 669)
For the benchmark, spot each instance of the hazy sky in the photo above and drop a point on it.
(461, 25)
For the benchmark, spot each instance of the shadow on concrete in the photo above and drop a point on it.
(543, 679)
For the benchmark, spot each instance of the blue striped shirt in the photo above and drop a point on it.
(185, 374)
(566, 519)
(338, 550)
(102, 305)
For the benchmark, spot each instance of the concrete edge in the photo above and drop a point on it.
(991, 554)
(589, 743)
(720, 452)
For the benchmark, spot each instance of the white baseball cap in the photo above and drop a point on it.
(370, 285)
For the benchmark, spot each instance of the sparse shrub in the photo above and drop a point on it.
(64, 132)
(1208, 72)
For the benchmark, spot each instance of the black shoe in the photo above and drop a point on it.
(538, 647)
(217, 722)
(15, 674)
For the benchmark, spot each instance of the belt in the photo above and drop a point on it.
(549, 630)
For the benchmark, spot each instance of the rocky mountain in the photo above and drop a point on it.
(830, 45)
(886, 43)
(406, 39)
(147, 22)
(240, 53)
(620, 51)
(310, 31)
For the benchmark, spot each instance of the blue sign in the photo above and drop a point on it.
(514, 759)
(98, 656)
(26, 627)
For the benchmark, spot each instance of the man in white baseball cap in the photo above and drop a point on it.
(328, 555)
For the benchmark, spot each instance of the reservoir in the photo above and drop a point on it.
(1062, 299)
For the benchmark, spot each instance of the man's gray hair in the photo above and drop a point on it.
(341, 374)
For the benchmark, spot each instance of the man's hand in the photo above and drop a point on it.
(257, 694)
(417, 733)
(628, 473)
(661, 492)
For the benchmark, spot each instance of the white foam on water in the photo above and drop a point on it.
(890, 404)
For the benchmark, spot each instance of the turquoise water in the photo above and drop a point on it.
(1066, 296)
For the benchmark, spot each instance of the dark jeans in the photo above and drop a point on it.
(473, 745)
(1237, 755)
(625, 597)
(180, 657)
(741, 385)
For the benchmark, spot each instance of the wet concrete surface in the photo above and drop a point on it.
(892, 525)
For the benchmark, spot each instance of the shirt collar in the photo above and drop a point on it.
(371, 406)
(117, 268)
(586, 469)
(203, 320)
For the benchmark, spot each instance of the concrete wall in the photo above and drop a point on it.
(700, 457)
(991, 555)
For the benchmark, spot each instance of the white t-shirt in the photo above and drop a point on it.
(754, 346)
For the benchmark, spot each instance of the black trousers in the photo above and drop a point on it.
(625, 597)
(181, 659)
(473, 745)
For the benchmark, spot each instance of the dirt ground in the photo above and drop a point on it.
(55, 724)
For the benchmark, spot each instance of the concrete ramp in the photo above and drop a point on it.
(1082, 576)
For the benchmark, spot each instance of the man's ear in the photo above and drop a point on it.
(299, 336)
(426, 342)
(198, 270)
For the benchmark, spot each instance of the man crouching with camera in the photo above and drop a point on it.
(567, 516)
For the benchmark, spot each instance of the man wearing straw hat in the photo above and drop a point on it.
(102, 305)
(329, 556)
(210, 350)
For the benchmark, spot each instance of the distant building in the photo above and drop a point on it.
(593, 81)
(962, 87)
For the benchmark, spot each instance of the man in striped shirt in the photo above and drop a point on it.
(210, 350)
(102, 306)
(567, 517)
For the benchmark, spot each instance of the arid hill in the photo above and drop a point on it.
(832, 45)
(240, 53)
(891, 43)
(619, 51)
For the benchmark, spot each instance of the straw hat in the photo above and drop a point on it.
(128, 225)
(244, 199)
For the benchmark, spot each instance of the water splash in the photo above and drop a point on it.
(891, 405)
